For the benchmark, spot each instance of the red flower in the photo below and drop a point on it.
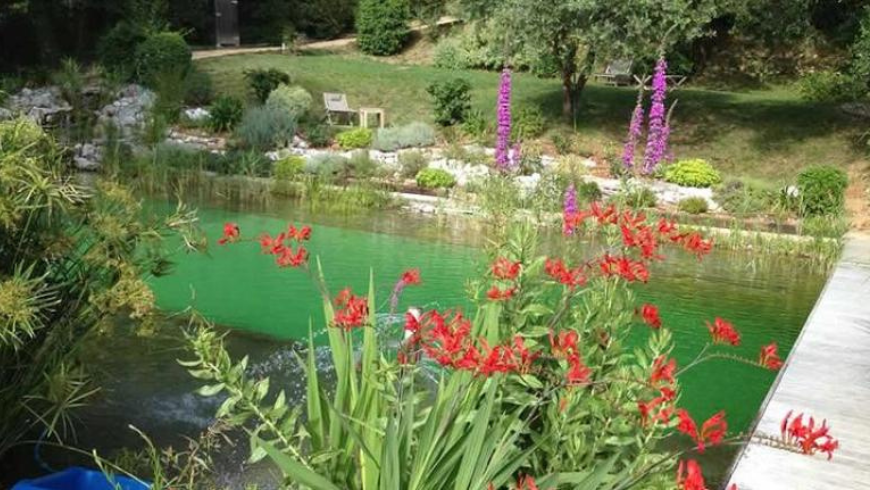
(578, 373)
(663, 372)
(496, 294)
(526, 483)
(628, 269)
(354, 310)
(690, 477)
(604, 216)
(769, 358)
(696, 244)
(411, 277)
(524, 357)
(572, 278)
(712, 431)
(286, 257)
(570, 221)
(503, 268)
(808, 438)
(650, 315)
(666, 227)
(723, 332)
(231, 234)
(300, 235)
(564, 344)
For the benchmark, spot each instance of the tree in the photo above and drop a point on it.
(382, 26)
(573, 35)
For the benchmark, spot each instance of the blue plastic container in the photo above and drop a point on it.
(80, 479)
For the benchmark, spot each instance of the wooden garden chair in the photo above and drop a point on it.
(336, 107)
(616, 73)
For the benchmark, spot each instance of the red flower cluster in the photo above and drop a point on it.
(662, 378)
(524, 482)
(650, 315)
(723, 332)
(689, 476)
(663, 372)
(807, 437)
(629, 269)
(769, 357)
(281, 246)
(503, 268)
(642, 238)
(712, 431)
(411, 277)
(353, 311)
(496, 294)
(557, 269)
(564, 346)
(231, 234)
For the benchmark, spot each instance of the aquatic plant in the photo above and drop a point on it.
(541, 362)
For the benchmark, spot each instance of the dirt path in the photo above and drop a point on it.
(858, 196)
(325, 45)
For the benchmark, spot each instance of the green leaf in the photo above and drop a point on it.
(295, 470)
(210, 390)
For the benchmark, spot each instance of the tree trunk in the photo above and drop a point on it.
(572, 88)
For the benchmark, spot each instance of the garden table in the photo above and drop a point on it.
(365, 112)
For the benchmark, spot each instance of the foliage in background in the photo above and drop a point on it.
(382, 26)
(263, 81)
(693, 205)
(692, 173)
(353, 139)
(198, 88)
(70, 259)
(411, 163)
(413, 135)
(295, 100)
(115, 48)
(435, 178)
(162, 52)
(477, 126)
(264, 128)
(822, 190)
(741, 198)
(225, 113)
(528, 123)
(451, 100)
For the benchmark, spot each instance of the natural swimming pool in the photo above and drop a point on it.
(267, 308)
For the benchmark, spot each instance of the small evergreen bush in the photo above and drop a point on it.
(317, 135)
(326, 166)
(198, 88)
(435, 178)
(361, 165)
(262, 82)
(693, 205)
(588, 192)
(115, 46)
(692, 173)
(476, 125)
(163, 52)
(382, 26)
(265, 128)
(411, 163)
(414, 135)
(452, 101)
(450, 54)
(830, 86)
(353, 139)
(288, 168)
(225, 113)
(822, 190)
(294, 100)
(740, 198)
(527, 123)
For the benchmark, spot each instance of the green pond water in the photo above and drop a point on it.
(767, 298)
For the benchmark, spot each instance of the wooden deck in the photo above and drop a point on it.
(827, 375)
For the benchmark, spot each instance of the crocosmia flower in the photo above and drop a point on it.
(231, 234)
(723, 332)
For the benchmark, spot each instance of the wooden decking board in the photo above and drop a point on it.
(827, 375)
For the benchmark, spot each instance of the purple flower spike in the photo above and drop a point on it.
(656, 143)
(502, 147)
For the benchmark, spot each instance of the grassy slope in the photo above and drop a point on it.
(767, 135)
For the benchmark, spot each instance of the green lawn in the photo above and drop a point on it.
(768, 135)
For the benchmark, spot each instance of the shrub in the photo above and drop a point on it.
(264, 128)
(414, 135)
(411, 163)
(382, 26)
(449, 54)
(452, 101)
(692, 173)
(476, 125)
(693, 205)
(528, 123)
(263, 82)
(225, 113)
(822, 190)
(294, 100)
(198, 88)
(435, 178)
(563, 141)
(161, 53)
(353, 139)
(117, 44)
(361, 165)
(169, 87)
(830, 86)
(588, 192)
(636, 197)
(288, 168)
(740, 198)
(325, 165)
(317, 135)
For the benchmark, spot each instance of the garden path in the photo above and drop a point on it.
(827, 375)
